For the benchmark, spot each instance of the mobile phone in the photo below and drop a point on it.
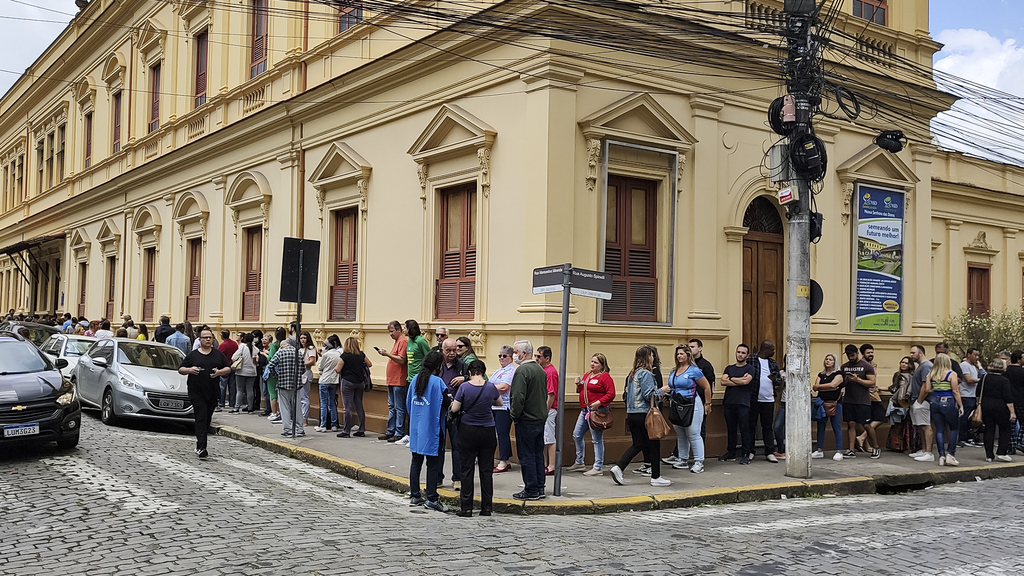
(377, 349)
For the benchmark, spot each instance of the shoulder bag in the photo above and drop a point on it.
(600, 418)
(976, 415)
(237, 364)
(680, 408)
(655, 423)
(367, 381)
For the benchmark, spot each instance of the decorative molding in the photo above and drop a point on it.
(681, 170)
(113, 72)
(478, 339)
(358, 335)
(341, 166)
(847, 193)
(318, 337)
(954, 225)
(236, 200)
(979, 250)
(593, 158)
(362, 187)
(662, 129)
(484, 156)
(735, 233)
(551, 74)
(265, 210)
(430, 145)
(980, 241)
(421, 173)
(1010, 233)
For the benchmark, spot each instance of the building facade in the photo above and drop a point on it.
(157, 170)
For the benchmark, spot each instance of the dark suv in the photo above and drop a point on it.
(37, 403)
(34, 332)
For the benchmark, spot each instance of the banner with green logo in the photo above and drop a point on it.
(879, 256)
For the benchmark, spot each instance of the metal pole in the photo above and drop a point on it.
(563, 343)
(298, 331)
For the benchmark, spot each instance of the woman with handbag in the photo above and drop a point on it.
(946, 408)
(686, 410)
(477, 437)
(245, 374)
(996, 405)
(596, 390)
(641, 395)
(827, 384)
(353, 381)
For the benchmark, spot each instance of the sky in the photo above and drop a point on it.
(984, 42)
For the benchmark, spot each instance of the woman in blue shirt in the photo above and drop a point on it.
(682, 384)
(426, 432)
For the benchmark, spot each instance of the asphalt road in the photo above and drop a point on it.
(138, 501)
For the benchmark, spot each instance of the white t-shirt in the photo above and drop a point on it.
(104, 334)
(765, 392)
(969, 390)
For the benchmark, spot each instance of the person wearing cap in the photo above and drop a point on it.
(858, 379)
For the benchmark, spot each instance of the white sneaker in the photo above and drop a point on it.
(617, 475)
(320, 429)
(661, 482)
(951, 461)
(926, 457)
(819, 454)
(914, 455)
(1004, 458)
(772, 458)
(942, 460)
(681, 465)
(670, 460)
(404, 441)
(838, 457)
(697, 467)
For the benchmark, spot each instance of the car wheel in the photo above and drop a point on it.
(68, 442)
(107, 415)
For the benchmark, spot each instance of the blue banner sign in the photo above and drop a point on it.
(879, 257)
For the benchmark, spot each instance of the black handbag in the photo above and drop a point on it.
(367, 382)
(680, 409)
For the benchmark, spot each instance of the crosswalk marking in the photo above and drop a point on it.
(302, 486)
(344, 482)
(759, 508)
(207, 480)
(850, 519)
(85, 475)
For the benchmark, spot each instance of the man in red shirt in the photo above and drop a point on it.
(396, 376)
(543, 357)
(228, 347)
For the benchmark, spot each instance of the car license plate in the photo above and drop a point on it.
(21, 430)
(172, 404)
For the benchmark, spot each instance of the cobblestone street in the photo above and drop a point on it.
(138, 501)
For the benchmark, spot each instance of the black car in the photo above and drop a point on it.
(32, 331)
(37, 403)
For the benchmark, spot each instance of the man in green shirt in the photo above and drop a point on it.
(415, 352)
(529, 399)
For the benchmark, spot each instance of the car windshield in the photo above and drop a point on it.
(142, 354)
(77, 347)
(18, 357)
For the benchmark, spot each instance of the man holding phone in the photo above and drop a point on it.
(204, 367)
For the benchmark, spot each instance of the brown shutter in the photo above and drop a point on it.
(82, 271)
(111, 285)
(201, 66)
(194, 279)
(88, 140)
(456, 287)
(147, 301)
(154, 106)
(259, 38)
(253, 273)
(631, 230)
(345, 286)
(117, 123)
(978, 290)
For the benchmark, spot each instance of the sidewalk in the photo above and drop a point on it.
(387, 466)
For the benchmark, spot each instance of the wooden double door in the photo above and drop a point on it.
(764, 289)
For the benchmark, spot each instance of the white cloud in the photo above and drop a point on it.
(25, 32)
(980, 57)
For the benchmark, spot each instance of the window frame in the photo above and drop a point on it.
(985, 299)
(87, 122)
(875, 6)
(149, 284)
(259, 38)
(201, 70)
(348, 268)
(349, 16)
(62, 132)
(83, 276)
(154, 97)
(115, 143)
(252, 277)
(111, 286)
(465, 282)
(40, 158)
(194, 277)
(624, 279)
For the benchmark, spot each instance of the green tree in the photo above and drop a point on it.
(991, 333)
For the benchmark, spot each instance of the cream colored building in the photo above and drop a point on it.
(156, 170)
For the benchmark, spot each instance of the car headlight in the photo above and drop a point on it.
(69, 392)
(129, 382)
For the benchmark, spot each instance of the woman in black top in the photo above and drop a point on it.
(996, 410)
(827, 384)
(352, 385)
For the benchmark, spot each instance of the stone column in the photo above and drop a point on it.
(917, 266)
(700, 297)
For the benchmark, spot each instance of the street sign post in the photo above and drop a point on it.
(299, 272)
(581, 282)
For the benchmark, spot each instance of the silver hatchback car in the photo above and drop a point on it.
(133, 379)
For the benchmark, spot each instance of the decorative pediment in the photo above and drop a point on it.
(250, 192)
(150, 37)
(638, 118)
(80, 244)
(85, 94)
(113, 71)
(191, 214)
(147, 225)
(341, 165)
(873, 165)
(979, 249)
(452, 132)
(109, 237)
(187, 9)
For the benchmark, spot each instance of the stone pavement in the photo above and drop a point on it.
(137, 501)
(386, 465)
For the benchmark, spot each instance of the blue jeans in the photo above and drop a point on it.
(396, 410)
(945, 413)
(689, 437)
(530, 449)
(328, 405)
(837, 429)
(503, 426)
(227, 391)
(779, 428)
(597, 436)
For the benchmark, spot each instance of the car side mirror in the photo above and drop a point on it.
(61, 363)
(100, 361)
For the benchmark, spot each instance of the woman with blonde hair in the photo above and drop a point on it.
(353, 381)
(827, 384)
(641, 391)
(682, 385)
(946, 407)
(596, 390)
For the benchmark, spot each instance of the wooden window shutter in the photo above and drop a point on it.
(88, 140)
(82, 275)
(456, 286)
(978, 290)
(629, 256)
(259, 38)
(111, 286)
(147, 301)
(154, 105)
(116, 144)
(195, 280)
(345, 283)
(201, 67)
(253, 273)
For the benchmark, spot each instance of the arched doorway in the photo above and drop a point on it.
(764, 285)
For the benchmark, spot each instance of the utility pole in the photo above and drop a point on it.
(802, 76)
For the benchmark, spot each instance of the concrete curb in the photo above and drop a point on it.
(883, 483)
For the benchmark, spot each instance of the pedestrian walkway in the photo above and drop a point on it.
(386, 465)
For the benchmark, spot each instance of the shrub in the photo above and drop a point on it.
(990, 333)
